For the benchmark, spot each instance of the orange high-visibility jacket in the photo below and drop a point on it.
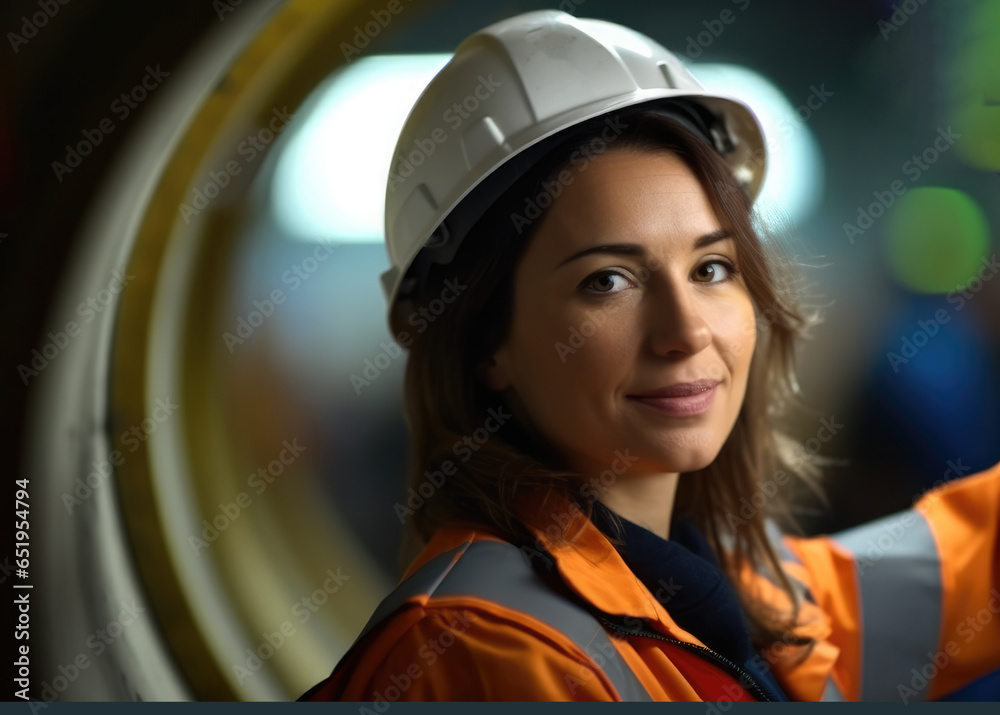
(904, 608)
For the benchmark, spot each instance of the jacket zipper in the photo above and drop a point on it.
(744, 678)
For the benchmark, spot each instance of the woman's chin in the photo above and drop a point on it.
(670, 461)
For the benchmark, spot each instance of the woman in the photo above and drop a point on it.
(598, 339)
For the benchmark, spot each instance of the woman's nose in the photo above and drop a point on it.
(677, 324)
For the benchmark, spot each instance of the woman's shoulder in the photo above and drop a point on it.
(452, 538)
(463, 647)
(452, 652)
(462, 626)
(471, 570)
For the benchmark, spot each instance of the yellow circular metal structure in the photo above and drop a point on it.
(228, 609)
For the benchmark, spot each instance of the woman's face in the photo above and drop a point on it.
(626, 289)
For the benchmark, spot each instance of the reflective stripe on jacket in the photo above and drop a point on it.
(907, 607)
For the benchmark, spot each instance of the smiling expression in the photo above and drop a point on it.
(630, 285)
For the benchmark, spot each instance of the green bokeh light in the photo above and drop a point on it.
(979, 128)
(975, 80)
(936, 239)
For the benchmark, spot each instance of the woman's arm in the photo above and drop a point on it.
(914, 598)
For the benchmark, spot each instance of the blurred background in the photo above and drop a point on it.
(199, 383)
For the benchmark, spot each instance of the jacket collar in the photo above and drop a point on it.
(590, 565)
(586, 560)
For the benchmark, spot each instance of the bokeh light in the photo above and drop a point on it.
(936, 240)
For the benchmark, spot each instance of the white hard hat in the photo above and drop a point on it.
(508, 88)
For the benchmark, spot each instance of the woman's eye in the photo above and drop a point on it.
(605, 282)
(710, 272)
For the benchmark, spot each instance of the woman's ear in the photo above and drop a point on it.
(494, 373)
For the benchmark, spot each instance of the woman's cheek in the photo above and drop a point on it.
(578, 342)
(735, 322)
(748, 329)
(741, 348)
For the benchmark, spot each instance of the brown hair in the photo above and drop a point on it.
(446, 399)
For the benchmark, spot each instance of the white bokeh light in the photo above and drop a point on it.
(793, 180)
(330, 180)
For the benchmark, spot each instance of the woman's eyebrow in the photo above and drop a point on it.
(634, 249)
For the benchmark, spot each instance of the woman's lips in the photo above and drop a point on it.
(680, 406)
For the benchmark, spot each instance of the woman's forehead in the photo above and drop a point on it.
(645, 197)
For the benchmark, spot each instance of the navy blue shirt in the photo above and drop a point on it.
(683, 574)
